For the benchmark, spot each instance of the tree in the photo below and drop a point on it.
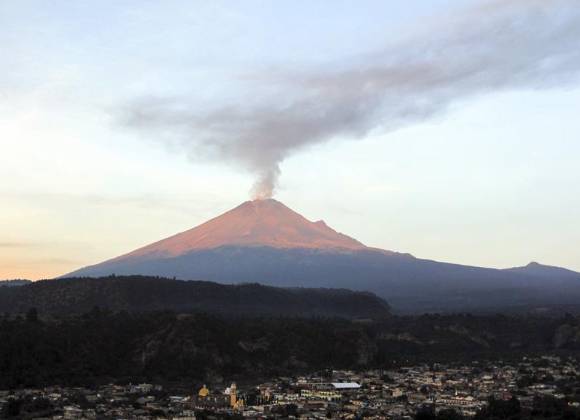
(500, 409)
(449, 414)
(32, 315)
(12, 408)
(426, 412)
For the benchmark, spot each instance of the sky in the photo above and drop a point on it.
(448, 129)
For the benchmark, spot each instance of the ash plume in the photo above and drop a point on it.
(493, 46)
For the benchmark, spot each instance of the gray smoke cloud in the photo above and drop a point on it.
(494, 46)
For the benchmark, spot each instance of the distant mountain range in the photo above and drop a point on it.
(264, 241)
(546, 271)
(144, 294)
(12, 283)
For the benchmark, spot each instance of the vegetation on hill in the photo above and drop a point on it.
(138, 294)
(103, 346)
(11, 283)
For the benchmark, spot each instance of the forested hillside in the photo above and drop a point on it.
(162, 346)
(138, 294)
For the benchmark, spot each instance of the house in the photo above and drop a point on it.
(345, 386)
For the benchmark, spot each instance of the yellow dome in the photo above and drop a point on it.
(203, 392)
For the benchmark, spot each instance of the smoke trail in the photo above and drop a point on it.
(497, 45)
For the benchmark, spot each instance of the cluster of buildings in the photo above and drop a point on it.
(385, 394)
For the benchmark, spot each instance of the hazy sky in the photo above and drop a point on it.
(444, 128)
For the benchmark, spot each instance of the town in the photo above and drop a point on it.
(457, 391)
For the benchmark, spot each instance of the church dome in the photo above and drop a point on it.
(203, 392)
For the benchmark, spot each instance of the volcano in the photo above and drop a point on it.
(253, 223)
(264, 241)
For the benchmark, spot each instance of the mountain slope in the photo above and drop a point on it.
(546, 271)
(253, 223)
(266, 242)
(138, 294)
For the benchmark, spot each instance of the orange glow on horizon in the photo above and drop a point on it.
(30, 268)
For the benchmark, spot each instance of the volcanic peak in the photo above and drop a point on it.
(265, 222)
